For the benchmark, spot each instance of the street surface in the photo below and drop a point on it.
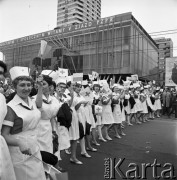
(145, 143)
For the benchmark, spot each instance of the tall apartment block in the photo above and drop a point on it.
(70, 12)
(165, 46)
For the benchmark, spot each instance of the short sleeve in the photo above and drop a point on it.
(10, 117)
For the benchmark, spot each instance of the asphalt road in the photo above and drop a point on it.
(151, 142)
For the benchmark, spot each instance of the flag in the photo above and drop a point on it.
(119, 79)
(134, 77)
(128, 78)
(44, 49)
(46, 52)
(95, 75)
(77, 77)
(153, 82)
(63, 72)
(107, 78)
(90, 77)
(112, 81)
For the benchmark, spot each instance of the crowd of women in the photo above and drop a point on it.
(39, 122)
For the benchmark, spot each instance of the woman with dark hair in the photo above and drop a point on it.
(144, 112)
(20, 125)
(84, 127)
(49, 109)
(6, 168)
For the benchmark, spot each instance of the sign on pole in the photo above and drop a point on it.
(171, 72)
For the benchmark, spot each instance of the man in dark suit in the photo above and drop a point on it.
(173, 104)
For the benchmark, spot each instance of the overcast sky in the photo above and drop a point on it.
(20, 18)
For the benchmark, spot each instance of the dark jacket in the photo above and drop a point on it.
(64, 115)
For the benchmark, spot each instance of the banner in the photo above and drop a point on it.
(44, 49)
(77, 77)
(63, 72)
(171, 72)
(134, 77)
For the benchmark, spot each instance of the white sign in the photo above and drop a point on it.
(171, 72)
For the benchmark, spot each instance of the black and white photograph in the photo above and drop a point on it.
(88, 89)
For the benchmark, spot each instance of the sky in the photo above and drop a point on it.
(20, 18)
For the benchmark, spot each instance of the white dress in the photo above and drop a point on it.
(88, 111)
(157, 104)
(144, 105)
(81, 111)
(138, 106)
(23, 120)
(74, 129)
(6, 166)
(48, 110)
(117, 113)
(127, 108)
(107, 115)
(149, 103)
(98, 117)
(62, 132)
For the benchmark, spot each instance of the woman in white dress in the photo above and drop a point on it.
(118, 110)
(67, 96)
(96, 102)
(138, 107)
(127, 107)
(84, 126)
(143, 98)
(150, 100)
(157, 103)
(47, 124)
(20, 128)
(107, 115)
(6, 166)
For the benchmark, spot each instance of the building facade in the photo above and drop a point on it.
(77, 11)
(165, 46)
(114, 45)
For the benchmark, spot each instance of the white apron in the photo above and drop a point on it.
(26, 167)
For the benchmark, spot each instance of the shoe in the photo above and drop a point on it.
(76, 162)
(109, 139)
(138, 123)
(118, 137)
(67, 151)
(86, 155)
(123, 134)
(95, 143)
(91, 149)
(60, 169)
(102, 139)
(130, 124)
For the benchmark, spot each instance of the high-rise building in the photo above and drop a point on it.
(70, 12)
(165, 46)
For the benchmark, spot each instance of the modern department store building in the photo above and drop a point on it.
(116, 45)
